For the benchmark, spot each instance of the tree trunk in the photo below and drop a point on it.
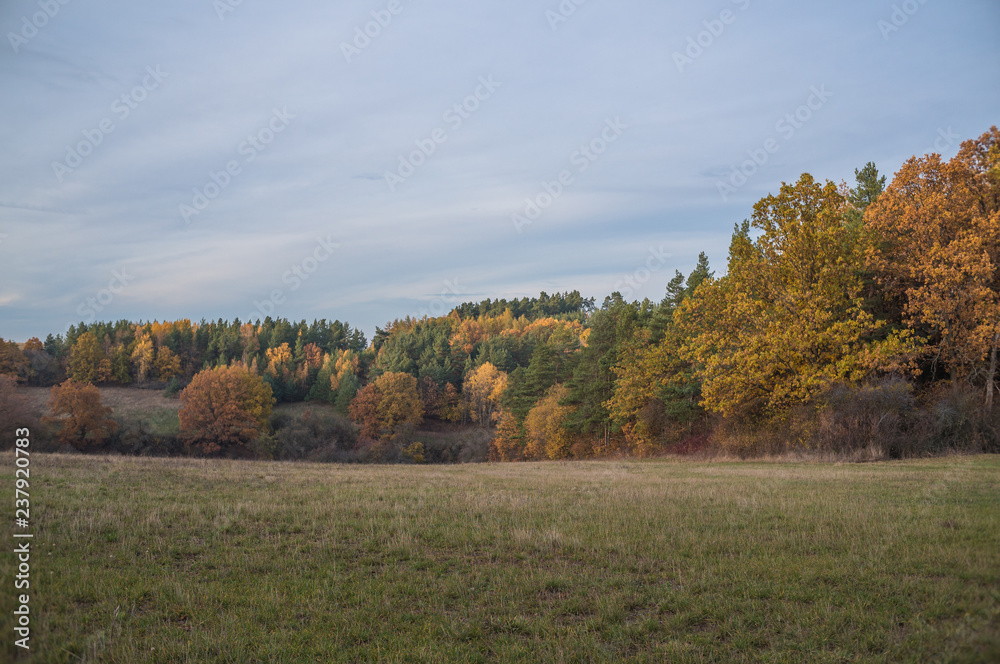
(990, 377)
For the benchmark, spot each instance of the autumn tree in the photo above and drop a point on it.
(937, 252)
(387, 407)
(224, 408)
(12, 360)
(168, 365)
(83, 421)
(656, 393)
(143, 356)
(788, 319)
(482, 391)
(43, 368)
(545, 425)
(508, 441)
(430, 396)
(86, 358)
(451, 408)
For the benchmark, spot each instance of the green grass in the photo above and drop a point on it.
(158, 560)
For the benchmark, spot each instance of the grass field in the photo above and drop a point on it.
(168, 560)
(157, 412)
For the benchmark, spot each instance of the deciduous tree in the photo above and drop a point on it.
(508, 442)
(168, 365)
(788, 318)
(545, 424)
(143, 355)
(482, 390)
(388, 406)
(85, 359)
(224, 408)
(937, 254)
(83, 421)
(12, 360)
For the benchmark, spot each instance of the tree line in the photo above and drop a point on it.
(848, 318)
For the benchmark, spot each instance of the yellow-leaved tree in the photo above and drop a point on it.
(788, 318)
(547, 436)
(143, 355)
(482, 390)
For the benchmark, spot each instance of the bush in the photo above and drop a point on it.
(135, 439)
(321, 435)
(14, 412)
(954, 419)
(875, 419)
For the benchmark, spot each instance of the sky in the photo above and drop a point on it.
(370, 160)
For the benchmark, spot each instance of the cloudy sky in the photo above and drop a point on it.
(373, 159)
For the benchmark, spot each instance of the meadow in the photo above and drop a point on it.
(194, 560)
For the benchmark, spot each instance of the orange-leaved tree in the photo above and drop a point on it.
(936, 256)
(83, 421)
(388, 406)
(224, 408)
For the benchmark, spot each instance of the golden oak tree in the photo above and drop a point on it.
(937, 254)
(224, 408)
(76, 409)
(788, 317)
